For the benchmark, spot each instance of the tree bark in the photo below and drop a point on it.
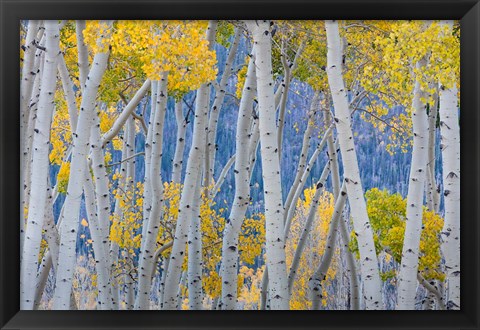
(368, 257)
(146, 255)
(194, 273)
(241, 199)
(450, 131)
(312, 213)
(275, 240)
(192, 174)
(320, 274)
(39, 170)
(180, 145)
(83, 64)
(407, 277)
(215, 111)
(67, 254)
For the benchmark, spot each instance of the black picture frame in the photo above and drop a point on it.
(12, 11)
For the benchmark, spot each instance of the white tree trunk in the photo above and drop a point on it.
(321, 272)
(292, 206)
(104, 300)
(368, 257)
(67, 254)
(194, 272)
(27, 145)
(433, 195)
(28, 71)
(180, 145)
(39, 170)
(146, 264)
(147, 194)
(241, 199)
(450, 131)
(192, 174)
(302, 161)
(288, 68)
(312, 214)
(102, 197)
(83, 65)
(126, 113)
(407, 277)
(275, 240)
(216, 107)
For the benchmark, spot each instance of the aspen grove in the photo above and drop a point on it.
(240, 165)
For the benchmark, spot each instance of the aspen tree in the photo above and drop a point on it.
(450, 133)
(156, 187)
(407, 278)
(369, 263)
(68, 236)
(191, 176)
(241, 199)
(275, 240)
(39, 170)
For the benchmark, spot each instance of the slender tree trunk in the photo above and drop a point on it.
(194, 273)
(130, 186)
(407, 277)
(147, 194)
(449, 127)
(292, 206)
(31, 74)
(215, 111)
(335, 172)
(114, 248)
(40, 165)
(67, 254)
(146, 264)
(191, 176)
(433, 196)
(288, 68)
(241, 199)
(102, 212)
(275, 240)
(83, 65)
(368, 257)
(302, 161)
(27, 144)
(101, 261)
(321, 272)
(312, 213)
(126, 113)
(180, 145)
(295, 198)
(222, 176)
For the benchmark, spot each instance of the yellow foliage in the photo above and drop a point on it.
(252, 238)
(387, 214)
(314, 248)
(63, 177)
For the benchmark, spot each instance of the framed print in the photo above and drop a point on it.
(239, 164)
